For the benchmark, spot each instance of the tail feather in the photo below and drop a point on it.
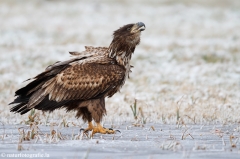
(45, 105)
(24, 111)
(49, 105)
(32, 85)
(30, 90)
(21, 99)
(18, 107)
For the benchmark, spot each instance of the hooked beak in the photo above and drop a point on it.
(138, 27)
(141, 26)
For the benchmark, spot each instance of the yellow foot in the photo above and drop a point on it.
(90, 127)
(98, 129)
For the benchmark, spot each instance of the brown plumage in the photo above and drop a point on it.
(82, 83)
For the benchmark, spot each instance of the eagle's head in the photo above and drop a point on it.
(129, 34)
(124, 42)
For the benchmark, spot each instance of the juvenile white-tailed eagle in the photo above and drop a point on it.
(82, 83)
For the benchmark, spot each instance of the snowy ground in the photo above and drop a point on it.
(150, 141)
(185, 75)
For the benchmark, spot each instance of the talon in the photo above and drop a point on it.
(118, 131)
(81, 130)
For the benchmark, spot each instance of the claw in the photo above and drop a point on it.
(117, 131)
(81, 130)
(114, 130)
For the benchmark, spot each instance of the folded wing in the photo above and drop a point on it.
(63, 83)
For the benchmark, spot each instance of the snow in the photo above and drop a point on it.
(133, 142)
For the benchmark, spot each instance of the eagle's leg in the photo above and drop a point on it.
(86, 116)
(97, 110)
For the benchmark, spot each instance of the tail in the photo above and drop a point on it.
(24, 94)
(33, 88)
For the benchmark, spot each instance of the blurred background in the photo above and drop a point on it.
(185, 69)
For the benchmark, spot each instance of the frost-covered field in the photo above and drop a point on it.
(186, 75)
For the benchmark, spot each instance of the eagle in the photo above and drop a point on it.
(83, 82)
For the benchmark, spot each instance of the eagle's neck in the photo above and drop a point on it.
(121, 53)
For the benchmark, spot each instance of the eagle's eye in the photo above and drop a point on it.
(128, 29)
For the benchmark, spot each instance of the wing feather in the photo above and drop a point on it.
(91, 74)
(85, 81)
